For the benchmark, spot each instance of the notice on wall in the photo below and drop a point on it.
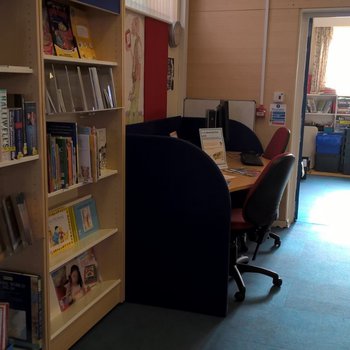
(278, 114)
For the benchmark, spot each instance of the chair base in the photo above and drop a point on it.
(241, 267)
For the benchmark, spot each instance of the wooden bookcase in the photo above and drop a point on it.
(22, 71)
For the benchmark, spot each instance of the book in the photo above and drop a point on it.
(5, 243)
(74, 279)
(47, 37)
(84, 156)
(16, 118)
(31, 127)
(96, 87)
(22, 217)
(86, 218)
(11, 222)
(4, 127)
(61, 31)
(23, 292)
(102, 148)
(81, 31)
(60, 230)
(69, 131)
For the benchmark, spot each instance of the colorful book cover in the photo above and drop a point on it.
(31, 125)
(60, 230)
(88, 267)
(23, 293)
(61, 31)
(15, 115)
(86, 218)
(69, 283)
(47, 37)
(102, 147)
(4, 127)
(81, 31)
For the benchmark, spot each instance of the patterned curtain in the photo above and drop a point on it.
(323, 37)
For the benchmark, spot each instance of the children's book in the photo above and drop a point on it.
(24, 294)
(60, 230)
(47, 37)
(61, 31)
(31, 125)
(102, 147)
(75, 278)
(81, 31)
(84, 154)
(86, 218)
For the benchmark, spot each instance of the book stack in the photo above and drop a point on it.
(66, 31)
(343, 105)
(71, 223)
(76, 154)
(15, 228)
(18, 125)
(23, 294)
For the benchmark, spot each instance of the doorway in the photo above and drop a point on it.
(312, 201)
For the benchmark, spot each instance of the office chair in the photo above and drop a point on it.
(278, 143)
(255, 218)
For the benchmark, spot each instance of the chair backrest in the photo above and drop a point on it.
(263, 199)
(278, 143)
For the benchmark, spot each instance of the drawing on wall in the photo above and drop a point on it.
(134, 67)
(170, 77)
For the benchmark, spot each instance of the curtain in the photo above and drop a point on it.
(323, 37)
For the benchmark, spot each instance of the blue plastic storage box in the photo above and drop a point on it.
(329, 143)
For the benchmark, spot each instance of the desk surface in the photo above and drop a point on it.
(239, 181)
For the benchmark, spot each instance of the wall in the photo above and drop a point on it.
(225, 55)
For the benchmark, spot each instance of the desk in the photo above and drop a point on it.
(241, 182)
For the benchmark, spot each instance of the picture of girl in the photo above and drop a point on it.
(75, 287)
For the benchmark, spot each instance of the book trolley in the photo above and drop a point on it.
(26, 70)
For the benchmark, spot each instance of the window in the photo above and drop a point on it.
(338, 67)
(164, 10)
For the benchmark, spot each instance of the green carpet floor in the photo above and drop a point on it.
(310, 311)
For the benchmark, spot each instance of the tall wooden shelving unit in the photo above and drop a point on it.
(21, 49)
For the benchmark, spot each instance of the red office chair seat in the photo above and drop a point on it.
(259, 211)
(237, 220)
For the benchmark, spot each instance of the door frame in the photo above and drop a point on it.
(306, 16)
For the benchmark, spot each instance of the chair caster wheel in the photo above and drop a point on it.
(277, 243)
(277, 282)
(239, 296)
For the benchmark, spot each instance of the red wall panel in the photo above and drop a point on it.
(155, 69)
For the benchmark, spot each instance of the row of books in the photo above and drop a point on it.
(15, 227)
(75, 154)
(66, 31)
(320, 106)
(343, 105)
(75, 278)
(18, 125)
(72, 88)
(71, 223)
(22, 315)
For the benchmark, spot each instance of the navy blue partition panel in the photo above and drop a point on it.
(109, 5)
(177, 226)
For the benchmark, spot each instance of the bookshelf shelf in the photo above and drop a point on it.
(104, 174)
(79, 61)
(18, 161)
(80, 247)
(84, 114)
(16, 69)
(63, 320)
(320, 114)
